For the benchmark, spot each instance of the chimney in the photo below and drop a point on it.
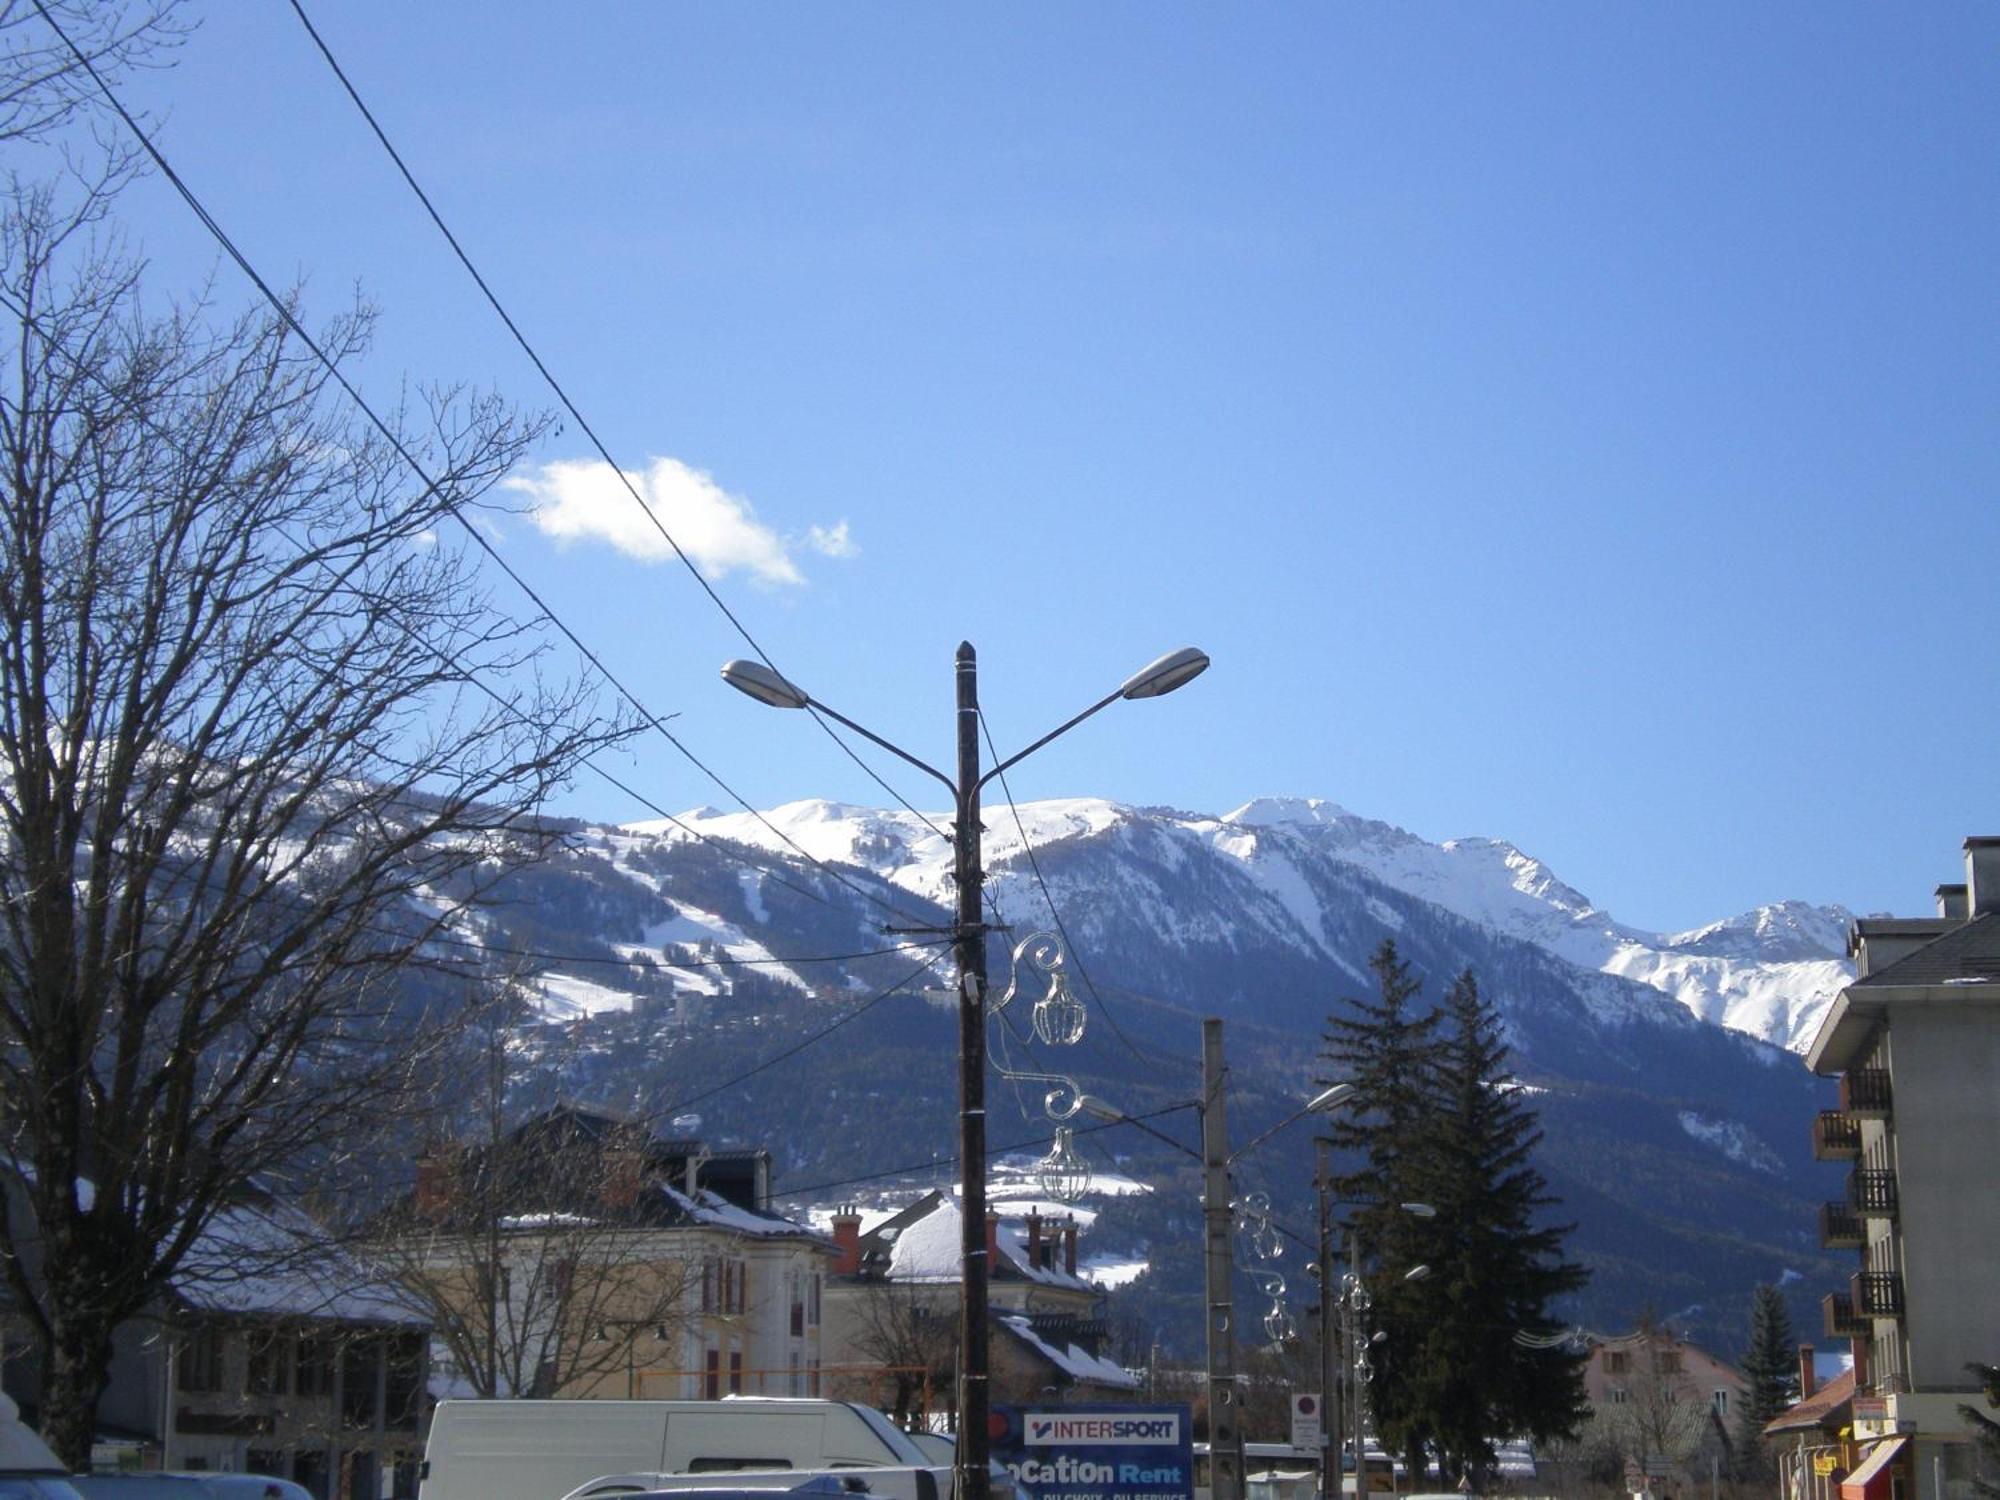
(1982, 876)
(1807, 1384)
(1035, 1239)
(434, 1174)
(1069, 1246)
(992, 1242)
(846, 1240)
(1951, 903)
(622, 1166)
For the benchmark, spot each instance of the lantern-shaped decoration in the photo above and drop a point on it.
(1059, 1016)
(1278, 1325)
(1064, 1175)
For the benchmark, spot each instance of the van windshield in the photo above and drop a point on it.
(897, 1440)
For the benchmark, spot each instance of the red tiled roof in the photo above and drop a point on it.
(1816, 1409)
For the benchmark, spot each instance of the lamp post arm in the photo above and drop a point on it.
(1252, 1145)
(1158, 1135)
(1061, 729)
(896, 750)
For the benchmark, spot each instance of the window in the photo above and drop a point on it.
(315, 1367)
(1618, 1395)
(1720, 1401)
(812, 1306)
(1616, 1361)
(812, 1378)
(403, 1386)
(1667, 1362)
(711, 1381)
(735, 1372)
(797, 1386)
(708, 1280)
(270, 1364)
(796, 1285)
(199, 1362)
(358, 1405)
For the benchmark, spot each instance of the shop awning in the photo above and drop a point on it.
(1870, 1479)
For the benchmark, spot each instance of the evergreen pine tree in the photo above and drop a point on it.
(1985, 1431)
(1386, 1052)
(1471, 1367)
(1770, 1378)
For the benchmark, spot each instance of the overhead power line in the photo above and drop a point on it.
(562, 396)
(389, 435)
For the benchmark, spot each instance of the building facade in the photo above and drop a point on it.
(1915, 1044)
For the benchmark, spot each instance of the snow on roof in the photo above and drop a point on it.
(707, 1207)
(275, 1259)
(1072, 1359)
(930, 1250)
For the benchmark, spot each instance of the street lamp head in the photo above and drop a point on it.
(1417, 1273)
(1332, 1098)
(761, 683)
(1090, 1104)
(1157, 679)
(1418, 1210)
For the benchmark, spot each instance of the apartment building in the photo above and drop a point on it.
(1915, 1044)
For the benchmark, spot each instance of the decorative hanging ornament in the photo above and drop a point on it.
(1059, 1016)
(1064, 1175)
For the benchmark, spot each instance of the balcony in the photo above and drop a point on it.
(1872, 1192)
(1842, 1322)
(1877, 1294)
(1840, 1227)
(1836, 1136)
(1865, 1091)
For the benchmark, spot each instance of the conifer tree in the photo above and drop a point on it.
(1770, 1376)
(1985, 1431)
(1467, 1357)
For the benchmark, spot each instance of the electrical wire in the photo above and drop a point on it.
(298, 329)
(1048, 896)
(562, 396)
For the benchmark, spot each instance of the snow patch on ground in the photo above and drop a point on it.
(1734, 1140)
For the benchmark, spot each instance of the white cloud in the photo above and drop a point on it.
(573, 499)
(831, 541)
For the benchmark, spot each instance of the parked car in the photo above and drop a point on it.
(29, 1470)
(205, 1484)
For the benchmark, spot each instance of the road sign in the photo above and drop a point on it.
(1308, 1430)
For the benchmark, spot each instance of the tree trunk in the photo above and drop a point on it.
(74, 1376)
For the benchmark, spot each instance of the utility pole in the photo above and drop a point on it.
(974, 1439)
(1357, 1352)
(1225, 1432)
(1332, 1434)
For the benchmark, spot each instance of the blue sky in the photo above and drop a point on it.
(1573, 424)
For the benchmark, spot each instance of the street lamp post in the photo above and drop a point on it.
(1154, 680)
(1351, 1301)
(1225, 1433)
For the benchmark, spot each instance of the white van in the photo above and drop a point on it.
(539, 1450)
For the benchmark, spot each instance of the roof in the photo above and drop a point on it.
(711, 1210)
(1072, 1359)
(1822, 1408)
(928, 1246)
(1959, 966)
(272, 1260)
(1968, 954)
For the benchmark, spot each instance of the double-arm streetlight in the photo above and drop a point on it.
(1154, 680)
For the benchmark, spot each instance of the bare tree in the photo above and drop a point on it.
(530, 1251)
(263, 734)
(44, 85)
(911, 1332)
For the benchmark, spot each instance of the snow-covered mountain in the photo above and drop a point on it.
(1769, 973)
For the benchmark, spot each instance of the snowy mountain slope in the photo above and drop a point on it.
(1769, 973)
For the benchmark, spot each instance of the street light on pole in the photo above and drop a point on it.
(1225, 1435)
(1154, 680)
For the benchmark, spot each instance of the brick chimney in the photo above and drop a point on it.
(623, 1169)
(435, 1174)
(1069, 1246)
(992, 1242)
(1807, 1383)
(1982, 875)
(846, 1240)
(1035, 1256)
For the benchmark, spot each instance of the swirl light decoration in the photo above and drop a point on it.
(1058, 1019)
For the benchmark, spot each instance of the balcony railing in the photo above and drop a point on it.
(1840, 1227)
(1842, 1322)
(1836, 1136)
(1865, 1091)
(1872, 1192)
(1877, 1294)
